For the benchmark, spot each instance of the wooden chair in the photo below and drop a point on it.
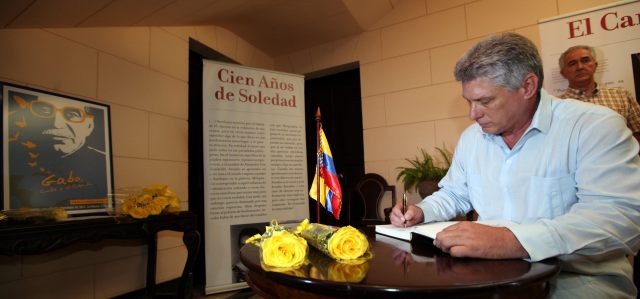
(369, 192)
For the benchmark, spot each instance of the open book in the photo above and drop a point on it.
(425, 230)
(404, 233)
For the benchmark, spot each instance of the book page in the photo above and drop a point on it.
(404, 233)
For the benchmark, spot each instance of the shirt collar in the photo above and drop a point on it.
(542, 118)
(579, 94)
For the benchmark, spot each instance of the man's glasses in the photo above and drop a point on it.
(47, 110)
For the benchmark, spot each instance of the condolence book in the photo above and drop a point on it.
(425, 232)
(428, 230)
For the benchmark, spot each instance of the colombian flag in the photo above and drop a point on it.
(330, 191)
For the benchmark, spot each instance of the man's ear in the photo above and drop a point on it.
(530, 86)
(90, 127)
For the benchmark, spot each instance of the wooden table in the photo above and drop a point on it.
(403, 270)
(37, 238)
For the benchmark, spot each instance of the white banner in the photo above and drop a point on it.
(254, 161)
(614, 32)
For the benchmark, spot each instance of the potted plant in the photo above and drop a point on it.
(424, 173)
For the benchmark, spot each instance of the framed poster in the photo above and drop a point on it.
(56, 152)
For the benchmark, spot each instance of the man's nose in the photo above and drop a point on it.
(474, 112)
(58, 120)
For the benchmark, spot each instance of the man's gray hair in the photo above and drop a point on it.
(578, 47)
(506, 59)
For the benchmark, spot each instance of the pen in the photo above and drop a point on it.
(404, 206)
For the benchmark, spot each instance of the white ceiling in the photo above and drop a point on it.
(275, 26)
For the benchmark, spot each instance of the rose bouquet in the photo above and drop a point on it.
(280, 249)
(339, 254)
(340, 243)
(152, 200)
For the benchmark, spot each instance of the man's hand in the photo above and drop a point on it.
(470, 239)
(412, 216)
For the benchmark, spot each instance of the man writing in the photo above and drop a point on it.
(578, 65)
(564, 172)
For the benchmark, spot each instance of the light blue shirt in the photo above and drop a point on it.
(571, 184)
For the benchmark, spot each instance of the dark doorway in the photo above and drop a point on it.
(338, 96)
(197, 52)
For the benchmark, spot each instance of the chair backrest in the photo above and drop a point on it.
(371, 189)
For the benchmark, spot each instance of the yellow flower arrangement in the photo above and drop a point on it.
(280, 248)
(340, 254)
(152, 200)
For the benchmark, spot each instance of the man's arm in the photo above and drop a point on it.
(466, 239)
(605, 218)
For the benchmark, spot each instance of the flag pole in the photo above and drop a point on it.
(318, 157)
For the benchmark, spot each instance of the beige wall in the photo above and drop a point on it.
(409, 100)
(142, 74)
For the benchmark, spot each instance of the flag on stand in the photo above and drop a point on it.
(330, 191)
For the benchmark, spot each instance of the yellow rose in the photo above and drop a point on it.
(154, 199)
(169, 193)
(160, 201)
(139, 213)
(155, 189)
(347, 243)
(174, 201)
(126, 206)
(154, 209)
(144, 199)
(283, 249)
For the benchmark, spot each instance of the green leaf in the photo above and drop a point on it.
(423, 168)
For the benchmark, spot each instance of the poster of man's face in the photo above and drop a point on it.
(56, 151)
(69, 125)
